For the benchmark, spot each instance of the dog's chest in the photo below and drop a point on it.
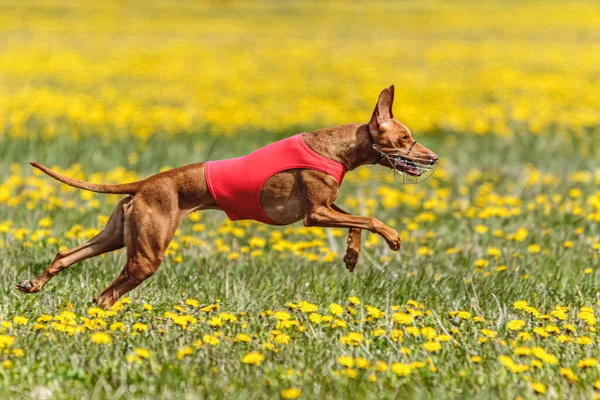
(281, 197)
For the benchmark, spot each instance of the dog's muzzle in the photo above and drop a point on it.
(413, 167)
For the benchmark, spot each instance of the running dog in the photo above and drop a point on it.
(294, 179)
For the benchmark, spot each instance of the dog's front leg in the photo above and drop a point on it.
(353, 244)
(327, 216)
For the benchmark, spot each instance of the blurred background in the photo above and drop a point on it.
(132, 72)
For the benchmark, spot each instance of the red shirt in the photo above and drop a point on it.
(235, 183)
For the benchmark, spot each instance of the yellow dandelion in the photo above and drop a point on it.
(192, 302)
(8, 364)
(210, 339)
(516, 325)
(401, 369)
(292, 393)
(346, 361)
(335, 309)
(100, 338)
(282, 339)
(142, 353)
(253, 358)
(6, 341)
(20, 320)
(362, 363)
(381, 366)
(354, 300)
(184, 352)
(117, 326)
(242, 337)
(139, 327)
(569, 374)
(432, 346)
(402, 318)
(538, 387)
(282, 316)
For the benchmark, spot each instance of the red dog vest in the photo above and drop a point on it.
(235, 183)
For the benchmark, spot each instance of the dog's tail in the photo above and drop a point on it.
(127, 188)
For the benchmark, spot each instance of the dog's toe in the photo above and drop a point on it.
(350, 260)
(396, 245)
(26, 286)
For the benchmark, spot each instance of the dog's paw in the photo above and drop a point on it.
(394, 242)
(27, 286)
(350, 259)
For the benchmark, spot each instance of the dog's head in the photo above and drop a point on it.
(395, 143)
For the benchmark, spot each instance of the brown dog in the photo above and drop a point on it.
(146, 219)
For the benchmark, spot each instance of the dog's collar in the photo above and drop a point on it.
(381, 155)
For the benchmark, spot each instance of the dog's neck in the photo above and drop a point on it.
(350, 145)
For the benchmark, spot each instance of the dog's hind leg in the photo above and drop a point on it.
(149, 228)
(110, 239)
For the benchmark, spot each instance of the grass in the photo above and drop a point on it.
(442, 282)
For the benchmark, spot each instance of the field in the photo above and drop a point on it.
(494, 293)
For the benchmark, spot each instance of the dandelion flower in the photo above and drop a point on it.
(142, 353)
(292, 393)
(139, 327)
(402, 318)
(6, 341)
(432, 346)
(282, 316)
(210, 339)
(242, 337)
(381, 366)
(401, 369)
(186, 351)
(362, 363)
(100, 338)
(538, 387)
(8, 364)
(346, 361)
(19, 320)
(336, 309)
(253, 358)
(516, 325)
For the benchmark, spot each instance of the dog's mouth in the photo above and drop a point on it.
(413, 167)
(407, 166)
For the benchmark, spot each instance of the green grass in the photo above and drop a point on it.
(71, 366)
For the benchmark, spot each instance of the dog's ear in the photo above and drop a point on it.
(391, 89)
(383, 110)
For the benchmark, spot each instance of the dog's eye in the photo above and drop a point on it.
(405, 137)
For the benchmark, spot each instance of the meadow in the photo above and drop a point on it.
(494, 293)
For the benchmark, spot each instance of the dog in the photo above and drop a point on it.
(295, 179)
